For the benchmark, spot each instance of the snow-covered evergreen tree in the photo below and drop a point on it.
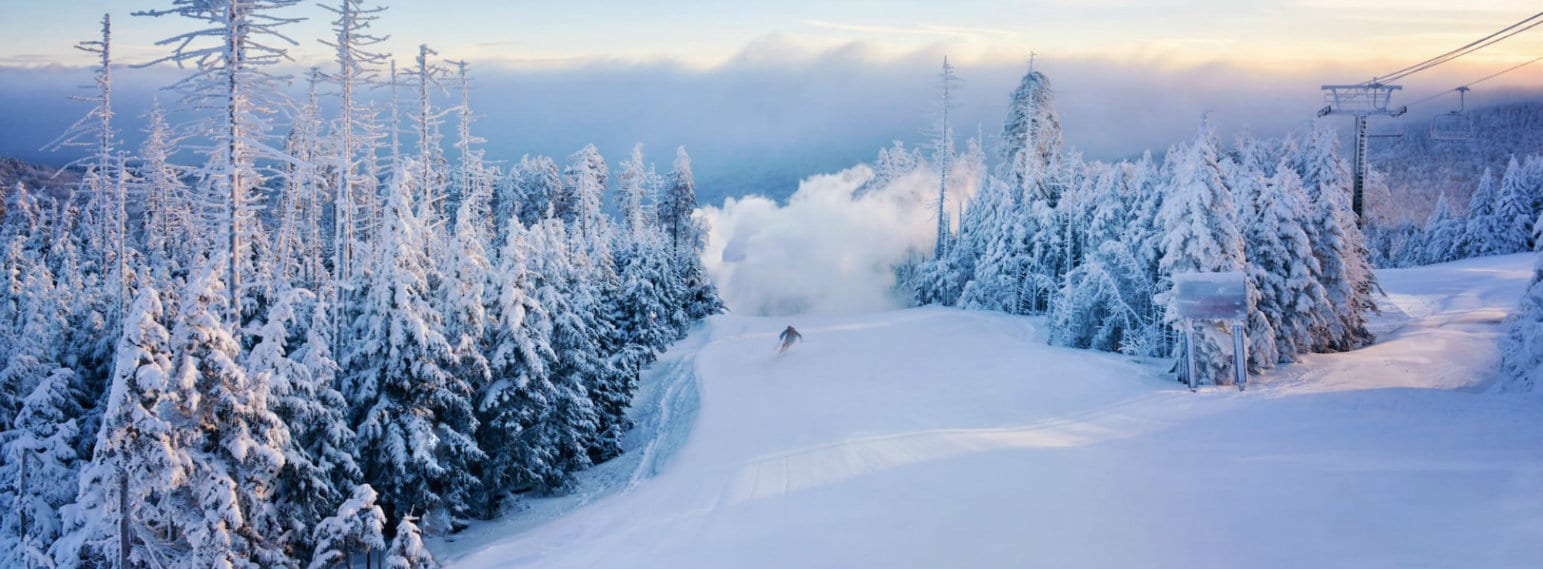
(136, 450)
(170, 235)
(1281, 268)
(632, 189)
(292, 358)
(677, 203)
(892, 163)
(234, 441)
(583, 191)
(1522, 348)
(413, 414)
(358, 66)
(943, 154)
(407, 549)
(38, 476)
(1443, 238)
(1199, 237)
(358, 526)
(1513, 213)
(1480, 235)
(532, 190)
(1337, 242)
(1031, 141)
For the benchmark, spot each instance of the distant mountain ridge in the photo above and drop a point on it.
(55, 182)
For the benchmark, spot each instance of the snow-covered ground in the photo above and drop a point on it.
(942, 438)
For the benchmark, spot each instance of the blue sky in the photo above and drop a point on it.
(766, 93)
(1259, 33)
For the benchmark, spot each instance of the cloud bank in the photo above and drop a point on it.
(780, 110)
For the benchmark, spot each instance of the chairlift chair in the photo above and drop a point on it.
(1456, 124)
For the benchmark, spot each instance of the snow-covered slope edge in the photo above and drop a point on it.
(932, 438)
(662, 412)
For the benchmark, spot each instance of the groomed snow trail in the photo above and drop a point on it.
(942, 438)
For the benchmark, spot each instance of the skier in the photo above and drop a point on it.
(788, 337)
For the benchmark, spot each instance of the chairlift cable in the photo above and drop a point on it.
(1476, 82)
(1502, 34)
(1463, 52)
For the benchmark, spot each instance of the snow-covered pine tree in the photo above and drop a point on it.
(471, 175)
(1482, 227)
(1200, 236)
(1443, 235)
(528, 423)
(1347, 278)
(1282, 265)
(18, 259)
(943, 154)
(170, 235)
(579, 425)
(530, 192)
(583, 192)
(1513, 212)
(234, 441)
(319, 462)
(407, 549)
(239, 41)
(677, 203)
(1031, 141)
(632, 189)
(426, 120)
(463, 287)
(893, 162)
(1048, 258)
(358, 526)
(1105, 303)
(1522, 348)
(294, 255)
(136, 449)
(39, 473)
(94, 131)
(982, 247)
(413, 415)
(685, 237)
(646, 300)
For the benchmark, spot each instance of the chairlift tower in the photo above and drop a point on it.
(1361, 100)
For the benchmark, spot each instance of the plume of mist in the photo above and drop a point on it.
(832, 248)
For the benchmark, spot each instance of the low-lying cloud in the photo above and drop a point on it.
(780, 111)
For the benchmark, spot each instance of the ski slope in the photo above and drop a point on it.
(940, 438)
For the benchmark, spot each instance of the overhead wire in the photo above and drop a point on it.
(1481, 80)
(1481, 43)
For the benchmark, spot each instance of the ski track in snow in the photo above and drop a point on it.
(940, 438)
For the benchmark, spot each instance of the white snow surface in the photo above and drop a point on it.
(943, 438)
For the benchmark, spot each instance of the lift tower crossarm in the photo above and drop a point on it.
(1361, 100)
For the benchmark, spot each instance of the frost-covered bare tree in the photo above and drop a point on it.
(426, 121)
(94, 131)
(943, 152)
(358, 65)
(240, 41)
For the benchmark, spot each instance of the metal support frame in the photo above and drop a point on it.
(1239, 356)
(1189, 354)
(1361, 100)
